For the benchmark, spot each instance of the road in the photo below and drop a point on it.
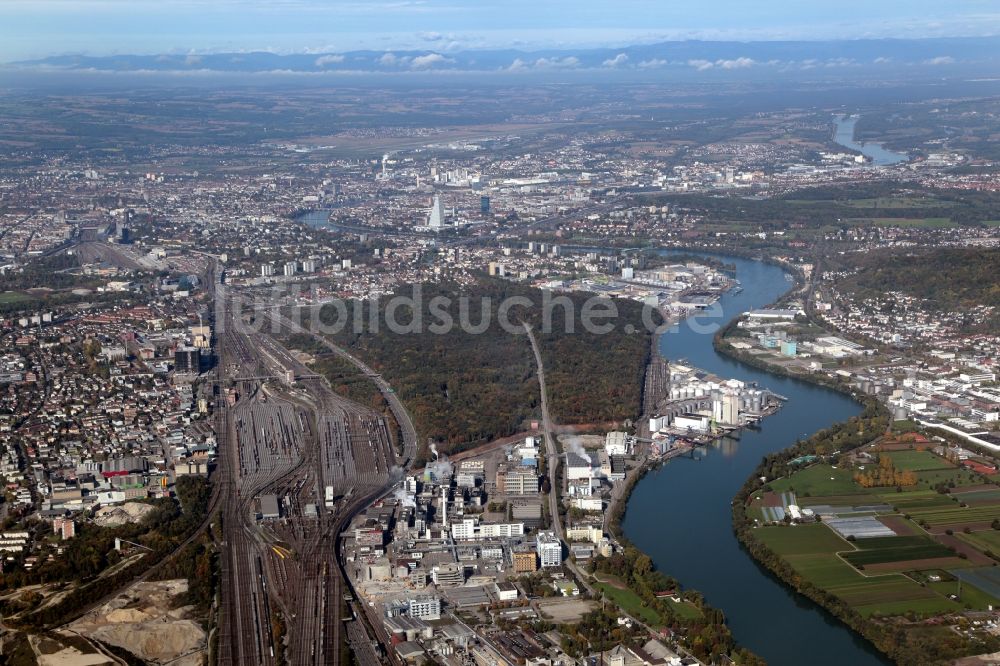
(552, 455)
(551, 451)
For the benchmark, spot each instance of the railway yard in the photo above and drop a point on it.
(297, 462)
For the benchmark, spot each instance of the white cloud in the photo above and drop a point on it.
(323, 61)
(429, 60)
(738, 63)
(617, 61)
(517, 66)
(389, 59)
(569, 62)
(654, 63)
(882, 60)
(940, 60)
(841, 62)
(192, 60)
(701, 65)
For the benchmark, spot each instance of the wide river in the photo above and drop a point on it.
(680, 514)
(844, 135)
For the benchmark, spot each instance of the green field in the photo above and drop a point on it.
(984, 540)
(971, 596)
(684, 609)
(828, 571)
(855, 499)
(909, 548)
(817, 481)
(930, 478)
(9, 297)
(979, 496)
(919, 222)
(918, 499)
(882, 543)
(956, 515)
(802, 539)
(821, 557)
(918, 460)
(924, 607)
(630, 602)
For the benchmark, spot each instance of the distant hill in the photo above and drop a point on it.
(950, 278)
(702, 58)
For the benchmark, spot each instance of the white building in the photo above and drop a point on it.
(505, 591)
(469, 529)
(425, 607)
(549, 549)
(436, 219)
(616, 443)
(695, 422)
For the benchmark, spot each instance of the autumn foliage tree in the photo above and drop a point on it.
(885, 474)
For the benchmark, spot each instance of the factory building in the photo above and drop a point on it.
(578, 467)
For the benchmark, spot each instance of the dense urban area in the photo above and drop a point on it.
(377, 390)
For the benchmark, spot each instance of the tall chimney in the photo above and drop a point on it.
(444, 508)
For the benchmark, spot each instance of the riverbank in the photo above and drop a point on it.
(681, 514)
(887, 606)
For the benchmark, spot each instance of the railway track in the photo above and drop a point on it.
(342, 445)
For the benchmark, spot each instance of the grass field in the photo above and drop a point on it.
(8, 297)
(918, 460)
(930, 478)
(979, 496)
(922, 549)
(855, 499)
(802, 539)
(817, 481)
(918, 222)
(684, 609)
(984, 540)
(971, 596)
(930, 606)
(956, 515)
(879, 202)
(876, 576)
(630, 602)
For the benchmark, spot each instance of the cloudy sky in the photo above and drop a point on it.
(38, 28)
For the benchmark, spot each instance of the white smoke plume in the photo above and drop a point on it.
(404, 498)
(442, 467)
(575, 444)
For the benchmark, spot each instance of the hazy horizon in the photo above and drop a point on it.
(42, 28)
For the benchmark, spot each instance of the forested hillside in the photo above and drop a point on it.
(950, 278)
(464, 389)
